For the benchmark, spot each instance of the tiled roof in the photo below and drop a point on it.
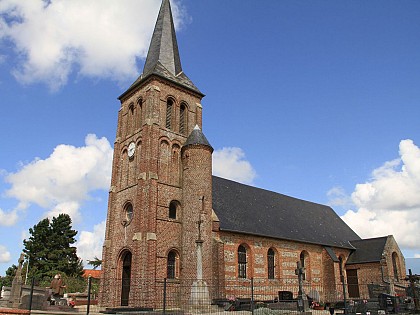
(246, 209)
(92, 272)
(367, 250)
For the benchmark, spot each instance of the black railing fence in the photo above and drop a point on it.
(39, 297)
(197, 296)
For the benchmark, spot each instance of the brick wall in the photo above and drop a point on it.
(321, 272)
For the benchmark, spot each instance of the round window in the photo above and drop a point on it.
(128, 212)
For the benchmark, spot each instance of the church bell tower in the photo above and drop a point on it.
(160, 199)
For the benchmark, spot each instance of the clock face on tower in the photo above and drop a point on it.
(131, 149)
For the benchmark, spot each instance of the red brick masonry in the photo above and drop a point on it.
(5, 311)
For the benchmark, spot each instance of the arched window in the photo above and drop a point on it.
(182, 119)
(171, 271)
(169, 105)
(139, 118)
(304, 261)
(270, 263)
(128, 214)
(242, 262)
(164, 157)
(173, 206)
(131, 119)
(124, 168)
(395, 265)
(175, 166)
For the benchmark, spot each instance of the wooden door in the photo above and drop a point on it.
(353, 283)
(126, 277)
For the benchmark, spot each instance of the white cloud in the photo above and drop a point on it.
(69, 207)
(90, 244)
(5, 256)
(61, 182)
(389, 203)
(338, 197)
(8, 218)
(230, 163)
(416, 255)
(93, 38)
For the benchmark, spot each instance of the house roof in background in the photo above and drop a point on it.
(92, 272)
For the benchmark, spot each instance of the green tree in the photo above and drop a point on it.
(37, 248)
(8, 279)
(95, 263)
(63, 236)
(49, 249)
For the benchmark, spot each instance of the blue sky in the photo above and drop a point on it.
(319, 100)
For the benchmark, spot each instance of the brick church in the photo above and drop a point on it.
(169, 218)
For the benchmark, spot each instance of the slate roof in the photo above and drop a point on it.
(367, 250)
(163, 55)
(250, 210)
(163, 45)
(197, 137)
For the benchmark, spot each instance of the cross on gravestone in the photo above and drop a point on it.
(412, 279)
(302, 299)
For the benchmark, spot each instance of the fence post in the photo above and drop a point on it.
(252, 295)
(164, 296)
(344, 293)
(32, 294)
(88, 297)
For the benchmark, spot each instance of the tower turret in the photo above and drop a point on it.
(197, 204)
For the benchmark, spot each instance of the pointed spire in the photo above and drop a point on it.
(163, 56)
(197, 137)
(163, 46)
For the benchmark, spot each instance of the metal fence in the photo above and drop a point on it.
(39, 298)
(273, 295)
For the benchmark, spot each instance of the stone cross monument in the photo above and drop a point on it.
(199, 290)
(302, 298)
(17, 283)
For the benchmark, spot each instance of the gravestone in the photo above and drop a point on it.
(5, 296)
(314, 295)
(285, 296)
(16, 290)
(375, 290)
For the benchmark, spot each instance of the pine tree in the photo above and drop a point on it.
(95, 263)
(49, 249)
(37, 249)
(62, 237)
